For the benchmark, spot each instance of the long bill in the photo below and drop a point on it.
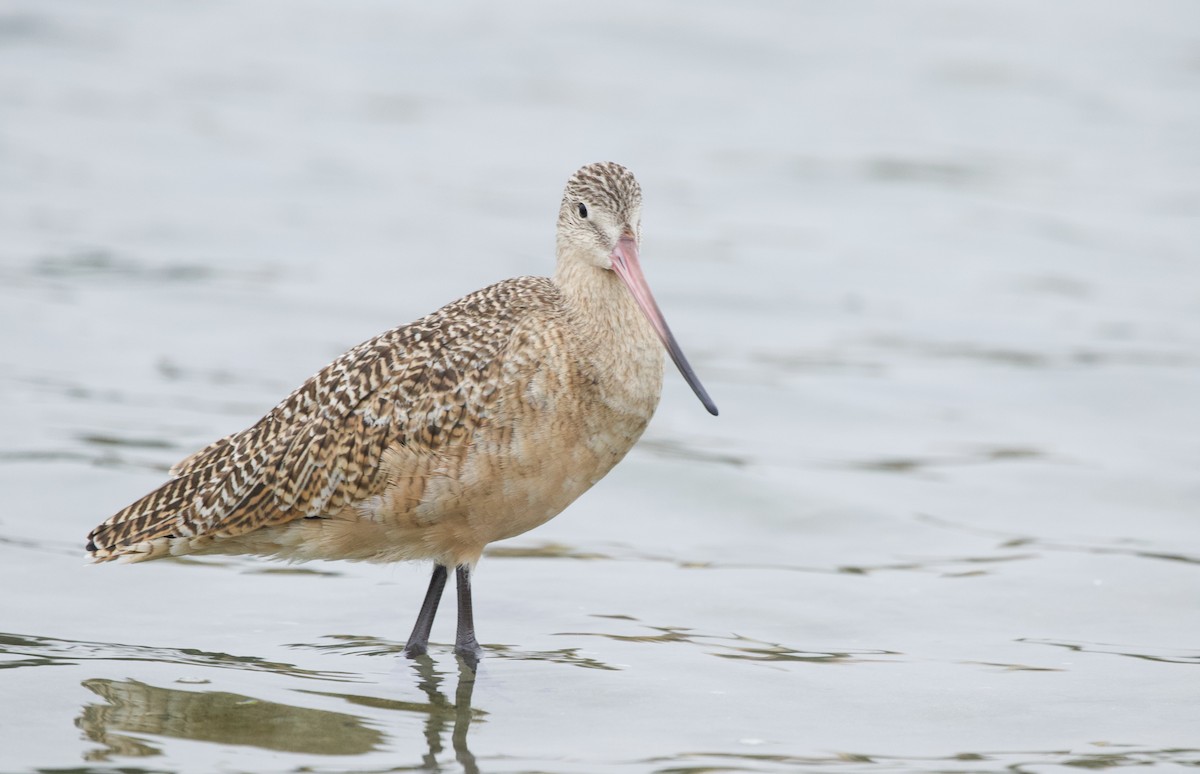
(627, 266)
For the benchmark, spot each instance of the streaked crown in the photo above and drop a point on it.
(604, 184)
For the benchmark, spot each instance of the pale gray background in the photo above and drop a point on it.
(936, 262)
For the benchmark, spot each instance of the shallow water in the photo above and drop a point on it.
(936, 263)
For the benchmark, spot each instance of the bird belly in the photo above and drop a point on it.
(505, 485)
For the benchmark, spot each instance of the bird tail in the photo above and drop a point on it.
(149, 527)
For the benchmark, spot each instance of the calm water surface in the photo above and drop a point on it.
(936, 262)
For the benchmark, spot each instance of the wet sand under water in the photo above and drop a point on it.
(936, 264)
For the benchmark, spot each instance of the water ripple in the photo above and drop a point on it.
(959, 763)
(1161, 655)
(20, 650)
(355, 645)
(740, 648)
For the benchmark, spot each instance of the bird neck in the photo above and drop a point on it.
(615, 344)
(601, 304)
(620, 338)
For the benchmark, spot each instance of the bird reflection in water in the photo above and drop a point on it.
(134, 712)
(441, 711)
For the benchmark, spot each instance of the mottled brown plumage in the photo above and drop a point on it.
(473, 424)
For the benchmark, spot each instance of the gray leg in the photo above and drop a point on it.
(465, 643)
(418, 641)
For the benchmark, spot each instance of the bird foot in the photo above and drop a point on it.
(469, 651)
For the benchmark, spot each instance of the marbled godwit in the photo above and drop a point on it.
(473, 424)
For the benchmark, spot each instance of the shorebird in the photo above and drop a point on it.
(473, 424)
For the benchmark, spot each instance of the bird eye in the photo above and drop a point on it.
(582, 210)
